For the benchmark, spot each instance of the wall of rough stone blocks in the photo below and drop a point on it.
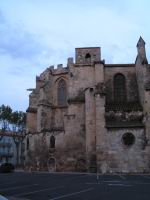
(90, 121)
(57, 117)
(82, 77)
(147, 116)
(83, 123)
(140, 81)
(124, 158)
(81, 53)
(75, 120)
(31, 122)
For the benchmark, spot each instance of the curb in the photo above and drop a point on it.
(14, 198)
(81, 173)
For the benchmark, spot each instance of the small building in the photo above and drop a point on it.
(8, 151)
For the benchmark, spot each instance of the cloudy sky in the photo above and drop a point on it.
(35, 34)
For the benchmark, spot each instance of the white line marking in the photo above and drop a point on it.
(14, 188)
(72, 194)
(103, 182)
(8, 183)
(115, 181)
(112, 181)
(94, 183)
(119, 185)
(36, 191)
(148, 177)
(122, 177)
(143, 183)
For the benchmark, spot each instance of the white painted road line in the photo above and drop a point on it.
(15, 188)
(122, 177)
(115, 181)
(94, 183)
(101, 182)
(37, 191)
(72, 194)
(117, 184)
(8, 183)
(142, 183)
(148, 177)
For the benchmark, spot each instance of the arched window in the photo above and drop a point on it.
(119, 88)
(27, 144)
(88, 58)
(52, 142)
(128, 139)
(62, 93)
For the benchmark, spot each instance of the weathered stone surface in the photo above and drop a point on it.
(89, 130)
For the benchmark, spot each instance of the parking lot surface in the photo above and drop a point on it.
(53, 186)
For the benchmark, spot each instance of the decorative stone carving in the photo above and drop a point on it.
(124, 116)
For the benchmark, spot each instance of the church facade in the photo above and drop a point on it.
(93, 116)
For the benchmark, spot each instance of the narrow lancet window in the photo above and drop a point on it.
(62, 93)
(52, 142)
(119, 88)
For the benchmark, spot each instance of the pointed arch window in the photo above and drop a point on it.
(119, 88)
(62, 93)
(52, 142)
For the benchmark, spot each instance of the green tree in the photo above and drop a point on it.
(13, 122)
(18, 121)
(5, 117)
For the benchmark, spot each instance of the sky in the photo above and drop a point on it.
(35, 34)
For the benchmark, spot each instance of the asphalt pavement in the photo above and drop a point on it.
(53, 186)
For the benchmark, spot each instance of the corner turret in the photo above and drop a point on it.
(141, 51)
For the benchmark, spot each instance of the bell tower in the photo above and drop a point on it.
(87, 55)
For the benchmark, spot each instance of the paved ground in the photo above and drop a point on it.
(45, 186)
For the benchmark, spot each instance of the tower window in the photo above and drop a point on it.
(62, 93)
(119, 88)
(128, 139)
(52, 142)
(88, 58)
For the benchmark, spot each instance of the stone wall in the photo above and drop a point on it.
(131, 84)
(94, 53)
(83, 139)
(126, 158)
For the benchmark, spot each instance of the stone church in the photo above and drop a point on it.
(93, 116)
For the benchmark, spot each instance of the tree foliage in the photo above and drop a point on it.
(12, 121)
(5, 117)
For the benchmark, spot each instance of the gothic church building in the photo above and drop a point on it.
(93, 116)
